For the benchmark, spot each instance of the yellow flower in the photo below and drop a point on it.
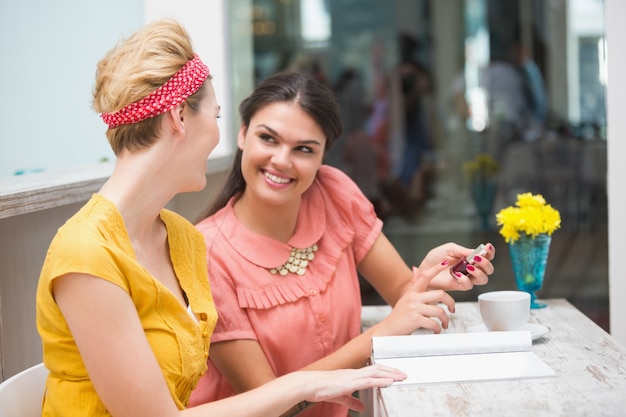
(532, 215)
(484, 166)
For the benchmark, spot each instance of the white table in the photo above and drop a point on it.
(590, 368)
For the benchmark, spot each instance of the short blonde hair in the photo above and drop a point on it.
(133, 69)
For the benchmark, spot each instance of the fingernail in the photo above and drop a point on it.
(489, 247)
(444, 262)
(470, 268)
(458, 274)
(477, 258)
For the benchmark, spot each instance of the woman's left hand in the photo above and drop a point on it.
(451, 253)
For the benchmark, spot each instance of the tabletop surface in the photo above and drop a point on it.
(590, 368)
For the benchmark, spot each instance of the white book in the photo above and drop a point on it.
(460, 357)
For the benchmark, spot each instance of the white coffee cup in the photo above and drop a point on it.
(504, 310)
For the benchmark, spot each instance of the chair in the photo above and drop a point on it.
(22, 394)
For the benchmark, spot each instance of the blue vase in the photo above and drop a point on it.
(529, 257)
(484, 195)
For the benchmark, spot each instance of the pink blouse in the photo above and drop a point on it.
(297, 319)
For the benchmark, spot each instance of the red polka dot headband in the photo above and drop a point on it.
(182, 84)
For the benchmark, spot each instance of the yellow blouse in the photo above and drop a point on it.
(94, 241)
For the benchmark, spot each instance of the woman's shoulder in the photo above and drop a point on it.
(91, 241)
(209, 225)
(331, 173)
(219, 228)
(89, 225)
(335, 181)
(336, 186)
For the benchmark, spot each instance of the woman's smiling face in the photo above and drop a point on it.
(282, 149)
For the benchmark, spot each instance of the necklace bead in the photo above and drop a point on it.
(298, 261)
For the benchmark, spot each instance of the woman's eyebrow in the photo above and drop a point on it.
(300, 142)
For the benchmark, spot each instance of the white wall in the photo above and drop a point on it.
(49, 53)
(206, 23)
(616, 152)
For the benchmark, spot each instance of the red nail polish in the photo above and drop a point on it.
(445, 262)
(461, 266)
(470, 268)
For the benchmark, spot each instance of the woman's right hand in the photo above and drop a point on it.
(418, 308)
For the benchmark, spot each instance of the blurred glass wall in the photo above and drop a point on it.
(451, 108)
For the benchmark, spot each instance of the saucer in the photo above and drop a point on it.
(536, 330)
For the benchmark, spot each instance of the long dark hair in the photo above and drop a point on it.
(314, 98)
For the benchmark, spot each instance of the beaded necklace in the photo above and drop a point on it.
(298, 261)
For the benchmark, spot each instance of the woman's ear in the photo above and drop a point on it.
(241, 137)
(176, 118)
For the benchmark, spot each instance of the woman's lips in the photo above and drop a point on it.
(276, 178)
